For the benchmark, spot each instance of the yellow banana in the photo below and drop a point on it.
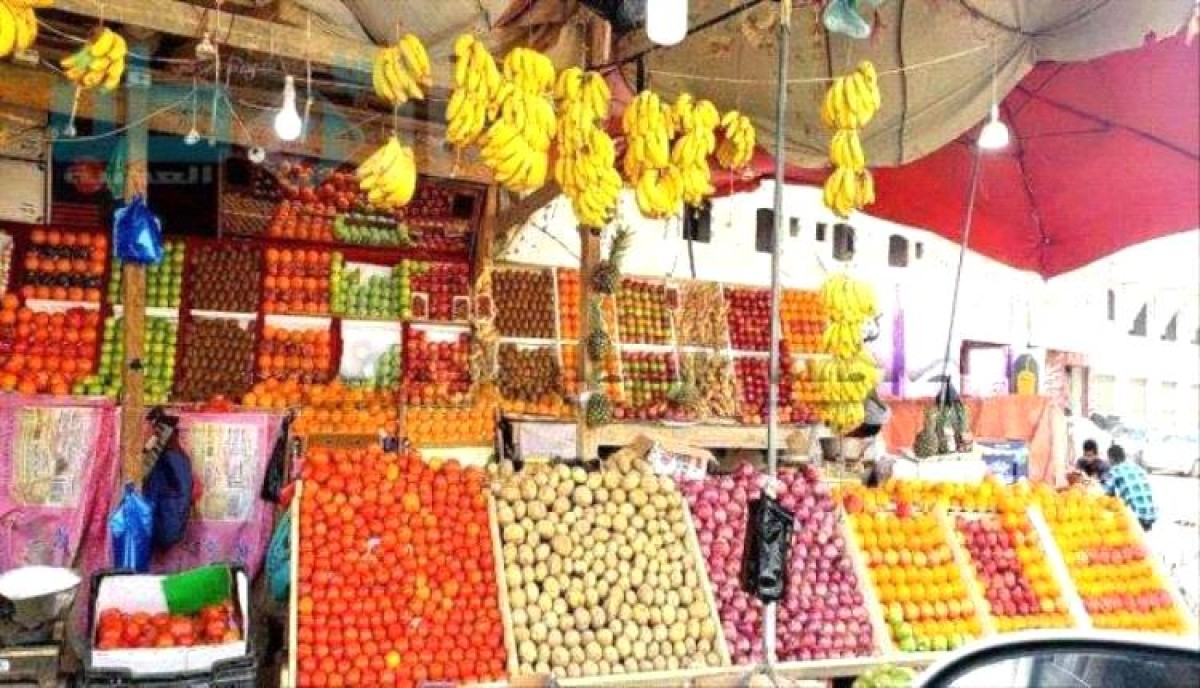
(103, 43)
(8, 30)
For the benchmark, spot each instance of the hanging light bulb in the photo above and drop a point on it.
(287, 120)
(994, 135)
(666, 21)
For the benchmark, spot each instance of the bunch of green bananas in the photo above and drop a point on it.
(477, 89)
(696, 123)
(737, 144)
(100, 61)
(400, 71)
(850, 103)
(389, 176)
(585, 166)
(852, 100)
(18, 24)
(648, 126)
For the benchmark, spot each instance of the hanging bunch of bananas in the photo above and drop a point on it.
(585, 166)
(850, 374)
(850, 104)
(100, 62)
(477, 91)
(696, 123)
(401, 71)
(18, 24)
(517, 145)
(738, 140)
(648, 126)
(389, 176)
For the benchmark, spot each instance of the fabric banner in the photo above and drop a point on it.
(58, 477)
(229, 521)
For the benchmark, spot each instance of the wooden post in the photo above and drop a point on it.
(600, 49)
(133, 277)
(589, 255)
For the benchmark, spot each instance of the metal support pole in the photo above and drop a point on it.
(782, 49)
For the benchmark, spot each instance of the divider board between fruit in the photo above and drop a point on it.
(879, 627)
(222, 315)
(56, 306)
(1058, 568)
(510, 643)
(294, 587)
(967, 572)
(151, 312)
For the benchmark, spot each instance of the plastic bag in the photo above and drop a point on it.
(129, 528)
(137, 233)
(768, 541)
(279, 558)
(841, 17)
(276, 476)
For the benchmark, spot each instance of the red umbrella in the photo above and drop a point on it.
(1104, 155)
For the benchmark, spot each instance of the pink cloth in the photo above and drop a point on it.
(229, 453)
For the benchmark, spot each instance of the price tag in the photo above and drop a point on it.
(678, 466)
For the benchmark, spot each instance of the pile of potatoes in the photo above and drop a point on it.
(600, 575)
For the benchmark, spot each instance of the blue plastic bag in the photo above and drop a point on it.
(129, 528)
(279, 558)
(137, 233)
(841, 16)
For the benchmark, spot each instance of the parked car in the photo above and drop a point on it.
(1049, 659)
(1179, 454)
(1132, 440)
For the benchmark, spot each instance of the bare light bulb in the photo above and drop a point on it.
(288, 124)
(994, 135)
(666, 21)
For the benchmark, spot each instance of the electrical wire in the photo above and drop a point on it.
(128, 125)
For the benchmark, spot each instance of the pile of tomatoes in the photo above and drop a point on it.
(397, 577)
(45, 353)
(118, 630)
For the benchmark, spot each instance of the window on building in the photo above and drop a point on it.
(897, 251)
(919, 250)
(697, 223)
(843, 242)
(1139, 324)
(764, 233)
(821, 227)
(793, 227)
(1171, 334)
(1112, 305)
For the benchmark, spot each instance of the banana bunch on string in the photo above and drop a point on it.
(847, 378)
(517, 145)
(389, 176)
(648, 126)
(18, 24)
(477, 91)
(585, 164)
(100, 62)
(696, 123)
(401, 72)
(738, 140)
(850, 104)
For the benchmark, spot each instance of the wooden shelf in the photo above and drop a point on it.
(732, 436)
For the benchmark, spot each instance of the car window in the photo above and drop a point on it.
(1074, 669)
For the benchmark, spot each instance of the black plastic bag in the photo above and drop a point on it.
(768, 541)
(276, 476)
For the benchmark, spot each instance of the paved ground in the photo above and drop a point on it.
(1178, 500)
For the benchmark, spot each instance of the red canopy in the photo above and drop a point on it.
(1104, 155)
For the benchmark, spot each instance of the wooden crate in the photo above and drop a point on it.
(879, 627)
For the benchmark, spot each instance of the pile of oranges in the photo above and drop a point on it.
(297, 282)
(568, 303)
(302, 355)
(397, 580)
(329, 409)
(803, 318)
(923, 591)
(431, 426)
(65, 266)
(45, 353)
(1112, 571)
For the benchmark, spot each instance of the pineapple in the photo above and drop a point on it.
(598, 342)
(599, 410)
(606, 276)
(926, 444)
(961, 424)
(943, 439)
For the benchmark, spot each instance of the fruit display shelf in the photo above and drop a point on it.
(1122, 583)
(526, 303)
(803, 319)
(752, 375)
(749, 316)
(164, 280)
(647, 378)
(366, 291)
(643, 313)
(46, 352)
(702, 316)
(159, 364)
(430, 427)
(223, 277)
(384, 543)
(290, 352)
(216, 358)
(530, 380)
(566, 283)
(1022, 587)
(436, 369)
(436, 291)
(297, 282)
(926, 594)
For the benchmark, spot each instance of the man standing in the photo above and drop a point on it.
(1129, 482)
